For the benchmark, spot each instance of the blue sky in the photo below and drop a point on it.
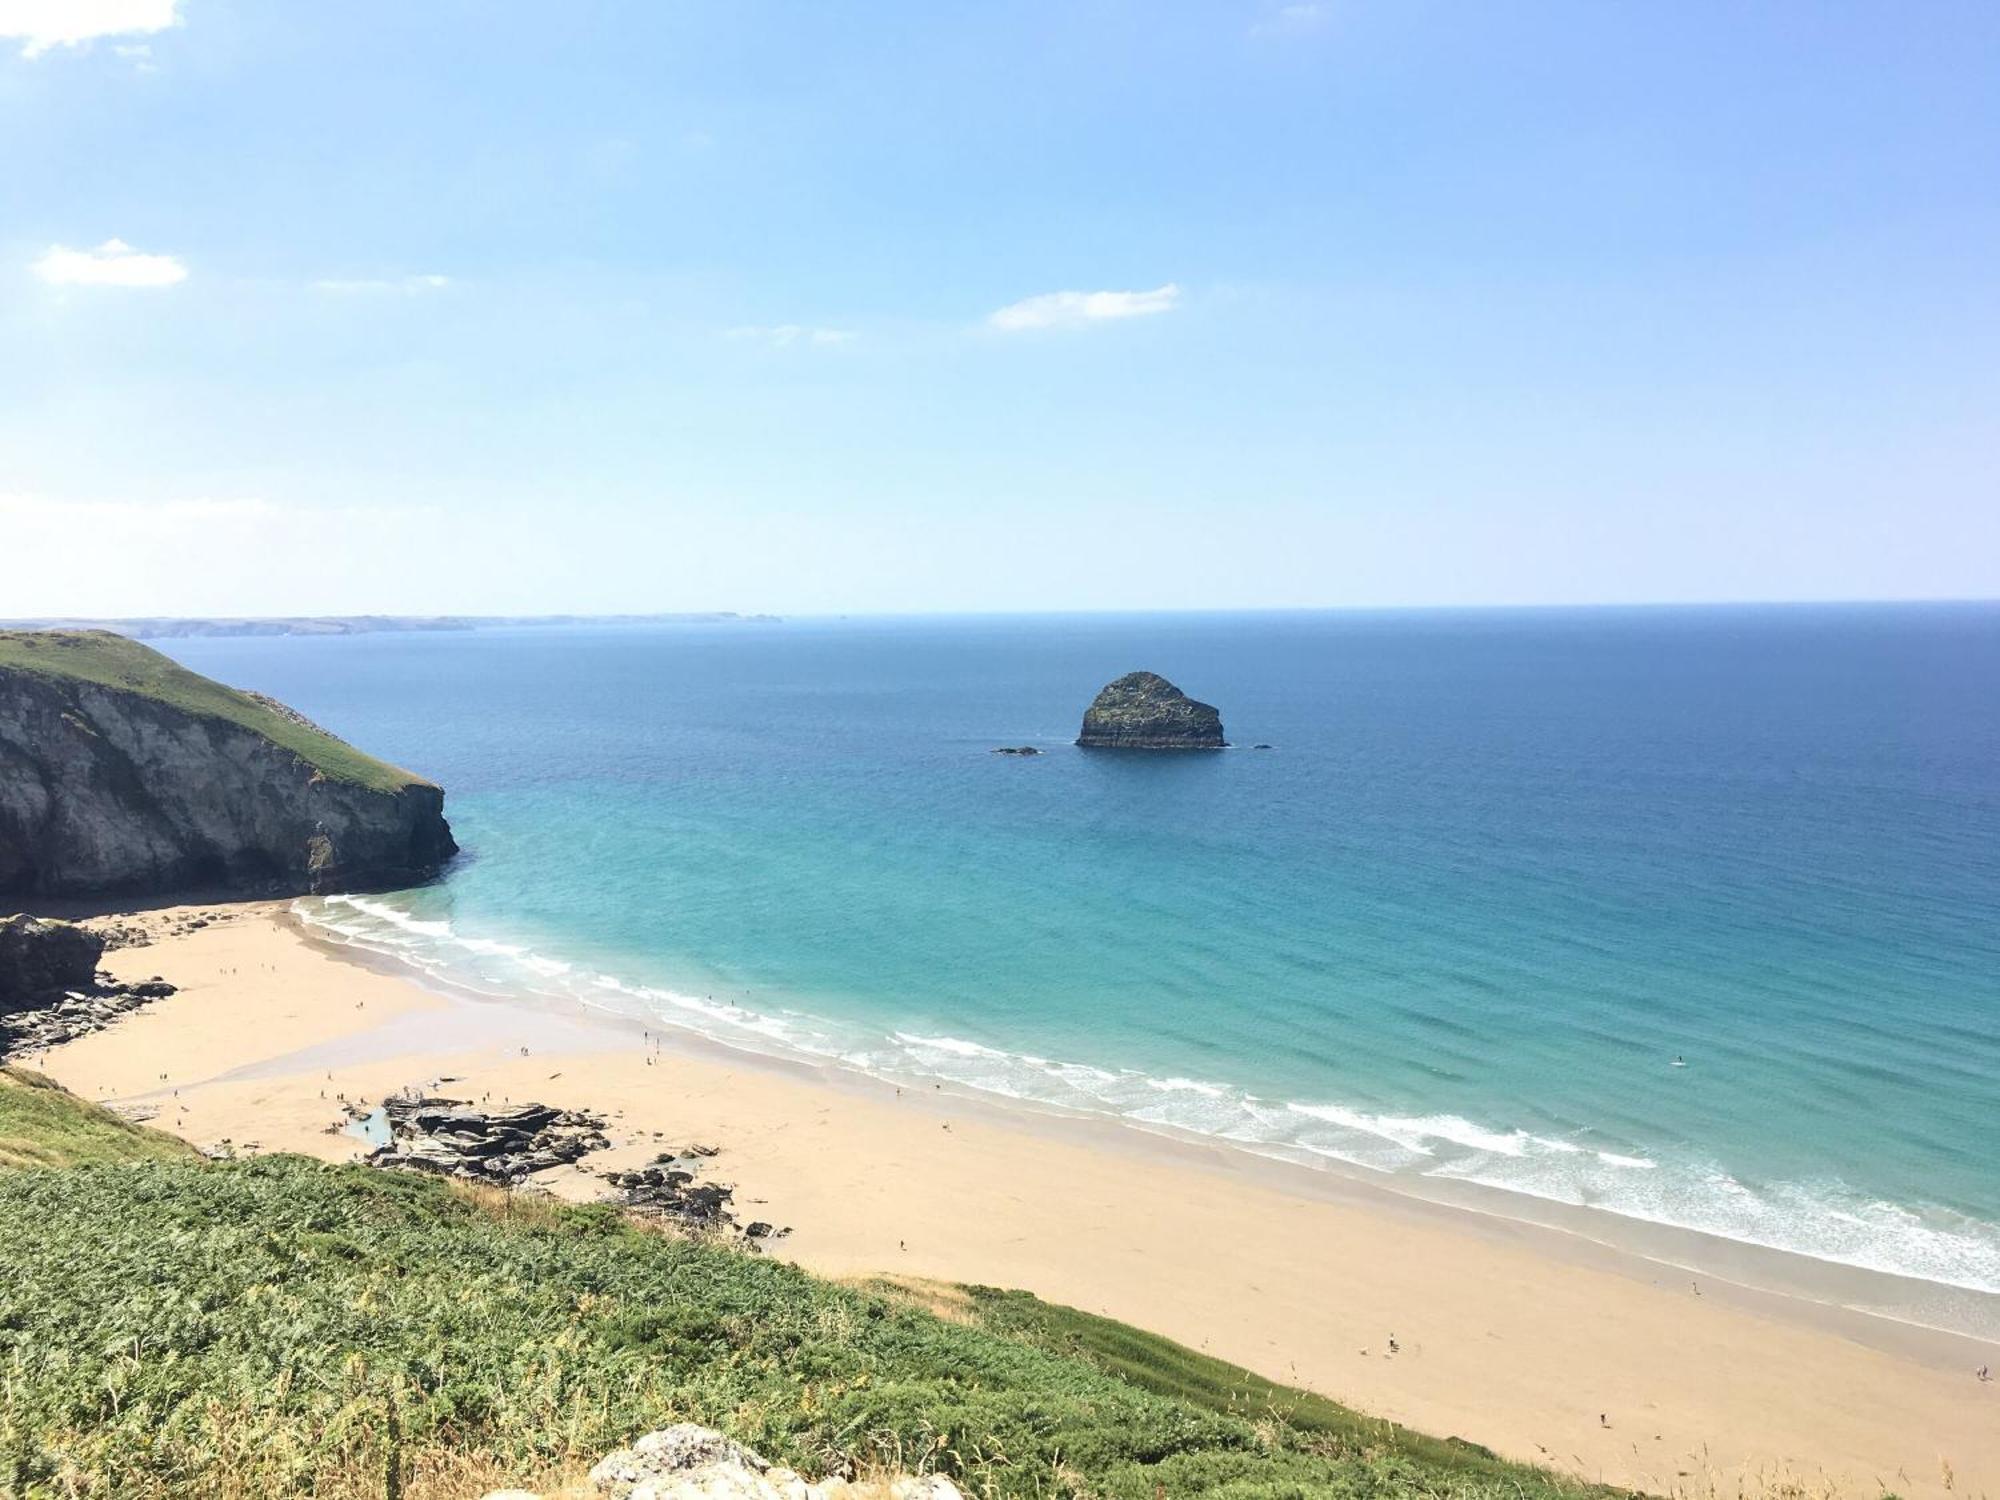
(444, 305)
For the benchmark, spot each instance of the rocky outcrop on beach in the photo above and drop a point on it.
(41, 959)
(507, 1145)
(1144, 711)
(121, 772)
(686, 1462)
(665, 1188)
(51, 990)
(76, 1014)
(503, 1146)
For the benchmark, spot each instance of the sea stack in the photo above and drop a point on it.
(1144, 711)
(121, 772)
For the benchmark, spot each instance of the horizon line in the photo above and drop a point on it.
(389, 618)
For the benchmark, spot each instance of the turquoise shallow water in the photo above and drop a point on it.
(1500, 870)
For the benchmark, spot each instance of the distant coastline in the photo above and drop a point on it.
(173, 627)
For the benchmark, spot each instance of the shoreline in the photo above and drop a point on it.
(1841, 1287)
(1513, 1333)
(1860, 1303)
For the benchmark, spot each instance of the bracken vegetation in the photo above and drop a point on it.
(115, 661)
(280, 1327)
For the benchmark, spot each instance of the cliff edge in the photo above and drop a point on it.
(121, 772)
(1144, 711)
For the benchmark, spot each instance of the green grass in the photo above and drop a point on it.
(279, 1327)
(43, 1125)
(114, 661)
(1168, 1369)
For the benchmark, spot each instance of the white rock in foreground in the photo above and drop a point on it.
(686, 1462)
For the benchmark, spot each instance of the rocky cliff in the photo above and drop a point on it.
(124, 773)
(1144, 711)
(42, 960)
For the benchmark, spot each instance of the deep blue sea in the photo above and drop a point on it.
(1501, 870)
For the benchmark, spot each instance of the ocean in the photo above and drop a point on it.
(1687, 915)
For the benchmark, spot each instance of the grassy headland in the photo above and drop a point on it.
(115, 661)
(177, 1327)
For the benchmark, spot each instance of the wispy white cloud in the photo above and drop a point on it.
(408, 286)
(113, 263)
(783, 335)
(1077, 309)
(1291, 20)
(42, 24)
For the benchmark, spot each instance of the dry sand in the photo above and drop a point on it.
(1536, 1343)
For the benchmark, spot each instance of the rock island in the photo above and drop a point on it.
(1144, 711)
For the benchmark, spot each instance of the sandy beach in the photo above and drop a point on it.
(1539, 1344)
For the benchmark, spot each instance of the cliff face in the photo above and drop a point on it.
(1144, 711)
(177, 783)
(40, 960)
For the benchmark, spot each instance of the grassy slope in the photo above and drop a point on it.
(281, 1327)
(1160, 1365)
(113, 661)
(43, 1125)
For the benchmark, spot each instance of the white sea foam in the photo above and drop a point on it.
(402, 921)
(1422, 1134)
(1823, 1220)
(954, 1045)
(1186, 1086)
